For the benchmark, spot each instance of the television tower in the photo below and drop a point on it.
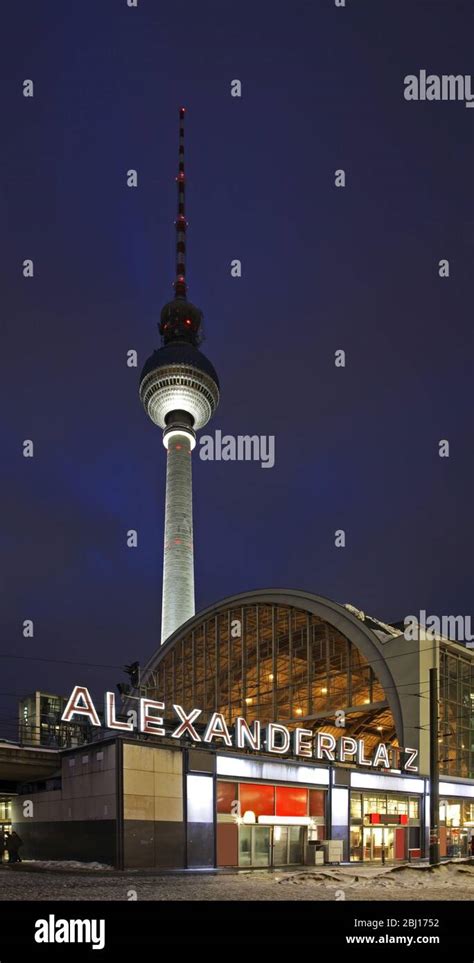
(179, 390)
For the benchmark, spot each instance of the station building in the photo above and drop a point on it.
(350, 691)
(346, 695)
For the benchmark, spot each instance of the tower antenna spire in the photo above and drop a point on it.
(180, 286)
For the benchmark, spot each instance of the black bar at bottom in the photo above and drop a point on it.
(416, 927)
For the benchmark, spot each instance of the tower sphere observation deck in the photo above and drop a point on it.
(178, 377)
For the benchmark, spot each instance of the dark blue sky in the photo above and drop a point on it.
(322, 269)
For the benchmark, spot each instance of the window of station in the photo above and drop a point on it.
(456, 691)
(356, 806)
(374, 804)
(456, 817)
(364, 805)
(5, 824)
(397, 807)
(245, 800)
(468, 812)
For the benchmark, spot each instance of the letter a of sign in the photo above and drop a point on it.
(80, 704)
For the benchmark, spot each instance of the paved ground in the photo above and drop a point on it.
(449, 882)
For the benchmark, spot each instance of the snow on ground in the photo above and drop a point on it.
(457, 876)
(37, 864)
(453, 881)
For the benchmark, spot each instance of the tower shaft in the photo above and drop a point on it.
(178, 560)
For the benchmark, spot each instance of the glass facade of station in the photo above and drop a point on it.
(274, 663)
(456, 818)
(284, 664)
(456, 737)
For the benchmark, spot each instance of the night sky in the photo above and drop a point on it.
(323, 269)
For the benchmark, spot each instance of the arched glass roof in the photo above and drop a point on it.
(280, 657)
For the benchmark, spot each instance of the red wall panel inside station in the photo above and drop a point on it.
(400, 837)
(227, 844)
(259, 799)
(291, 801)
(317, 802)
(265, 800)
(442, 841)
(226, 795)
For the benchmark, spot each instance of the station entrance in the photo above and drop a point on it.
(384, 843)
(264, 825)
(271, 845)
(385, 827)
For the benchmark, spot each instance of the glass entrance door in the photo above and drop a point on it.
(288, 845)
(271, 846)
(254, 845)
(280, 845)
(379, 841)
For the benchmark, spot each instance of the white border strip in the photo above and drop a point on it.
(279, 771)
(456, 789)
(363, 780)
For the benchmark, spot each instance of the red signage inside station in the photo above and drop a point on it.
(388, 819)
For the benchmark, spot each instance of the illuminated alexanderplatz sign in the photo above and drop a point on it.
(273, 737)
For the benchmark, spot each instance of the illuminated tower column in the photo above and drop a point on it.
(178, 557)
(179, 390)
